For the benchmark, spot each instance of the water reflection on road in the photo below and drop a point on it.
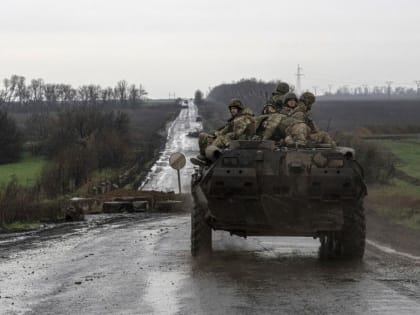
(162, 176)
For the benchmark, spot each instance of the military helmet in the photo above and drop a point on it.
(290, 96)
(307, 98)
(236, 102)
(282, 88)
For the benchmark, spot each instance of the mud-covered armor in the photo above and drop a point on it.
(256, 188)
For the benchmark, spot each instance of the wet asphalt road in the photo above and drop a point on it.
(162, 176)
(141, 264)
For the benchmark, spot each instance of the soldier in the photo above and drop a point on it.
(241, 126)
(288, 124)
(275, 103)
(290, 103)
(305, 104)
(276, 124)
(306, 100)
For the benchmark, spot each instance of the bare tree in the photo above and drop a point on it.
(121, 90)
(36, 90)
(51, 93)
(93, 93)
(133, 94)
(142, 91)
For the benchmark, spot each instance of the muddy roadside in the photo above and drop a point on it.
(400, 238)
(378, 229)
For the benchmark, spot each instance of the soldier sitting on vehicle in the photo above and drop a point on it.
(278, 125)
(293, 125)
(275, 103)
(296, 129)
(306, 101)
(241, 126)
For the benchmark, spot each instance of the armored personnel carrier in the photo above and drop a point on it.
(255, 188)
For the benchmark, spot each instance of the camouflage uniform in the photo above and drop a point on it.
(275, 126)
(240, 127)
(297, 133)
(293, 124)
(275, 103)
(283, 124)
(315, 135)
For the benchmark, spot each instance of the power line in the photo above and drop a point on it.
(330, 88)
(389, 83)
(299, 74)
(418, 87)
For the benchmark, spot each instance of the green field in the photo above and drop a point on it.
(408, 152)
(26, 171)
(400, 200)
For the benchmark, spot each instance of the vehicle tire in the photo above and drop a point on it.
(330, 246)
(353, 235)
(200, 233)
(350, 242)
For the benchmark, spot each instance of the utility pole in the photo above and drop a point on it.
(330, 89)
(365, 89)
(418, 87)
(299, 74)
(389, 83)
(315, 88)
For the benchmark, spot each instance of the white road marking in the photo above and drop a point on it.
(390, 250)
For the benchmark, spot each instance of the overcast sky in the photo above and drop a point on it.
(182, 45)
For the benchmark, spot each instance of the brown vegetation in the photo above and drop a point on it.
(19, 203)
(80, 131)
(378, 162)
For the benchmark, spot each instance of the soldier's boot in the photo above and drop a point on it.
(198, 161)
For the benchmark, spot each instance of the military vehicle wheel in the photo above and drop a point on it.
(200, 233)
(330, 246)
(353, 235)
(350, 242)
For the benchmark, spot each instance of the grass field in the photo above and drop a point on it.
(400, 200)
(408, 153)
(26, 171)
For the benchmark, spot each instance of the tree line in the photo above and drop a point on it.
(17, 93)
(374, 91)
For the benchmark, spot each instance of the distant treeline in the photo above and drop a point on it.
(18, 95)
(382, 116)
(375, 92)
